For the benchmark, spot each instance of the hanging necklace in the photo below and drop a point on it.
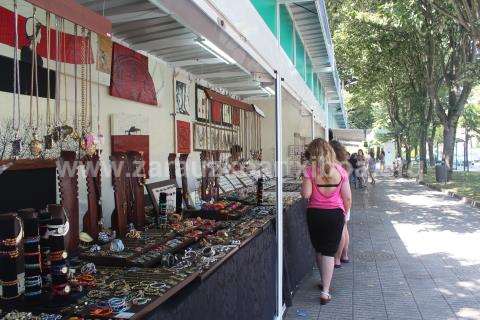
(66, 129)
(57, 130)
(48, 140)
(35, 144)
(75, 135)
(17, 142)
(89, 141)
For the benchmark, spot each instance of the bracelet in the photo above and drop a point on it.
(33, 293)
(97, 294)
(32, 240)
(101, 312)
(9, 283)
(31, 254)
(10, 242)
(31, 266)
(33, 281)
(117, 304)
(141, 301)
(11, 254)
(88, 268)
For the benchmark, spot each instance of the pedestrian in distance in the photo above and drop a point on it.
(371, 166)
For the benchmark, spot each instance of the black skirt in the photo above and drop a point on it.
(325, 227)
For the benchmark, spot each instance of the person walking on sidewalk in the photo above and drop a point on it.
(371, 166)
(343, 158)
(326, 186)
(361, 169)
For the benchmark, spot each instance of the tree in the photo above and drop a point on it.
(471, 119)
(451, 61)
(466, 13)
(381, 45)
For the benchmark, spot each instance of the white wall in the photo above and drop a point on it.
(293, 122)
(160, 120)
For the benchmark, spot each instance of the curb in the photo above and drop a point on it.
(471, 202)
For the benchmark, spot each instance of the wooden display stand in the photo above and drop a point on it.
(93, 216)
(183, 170)
(136, 179)
(119, 215)
(68, 183)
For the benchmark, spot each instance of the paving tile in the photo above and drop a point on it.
(395, 273)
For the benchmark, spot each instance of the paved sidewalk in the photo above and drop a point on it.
(415, 255)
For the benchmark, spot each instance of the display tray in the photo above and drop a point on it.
(137, 277)
(216, 214)
(133, 248)
(292, 187)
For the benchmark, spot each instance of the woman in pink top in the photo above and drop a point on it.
(326, 185)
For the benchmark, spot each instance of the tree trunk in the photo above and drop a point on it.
(430, 139)
(422, 167)
(398, 146)
(449, 146)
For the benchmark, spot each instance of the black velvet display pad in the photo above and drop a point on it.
(242, 288)
(9, 265)
(6, 78)
(27, 188)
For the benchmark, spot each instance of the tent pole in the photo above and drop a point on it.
(279, 191)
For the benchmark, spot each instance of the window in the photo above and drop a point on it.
(268, 11)
(300, 55)
(309, 73)
(286, 33)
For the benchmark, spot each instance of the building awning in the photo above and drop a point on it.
(228, 100)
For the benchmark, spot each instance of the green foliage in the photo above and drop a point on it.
(471, 118)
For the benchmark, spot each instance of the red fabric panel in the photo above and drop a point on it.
(183, 137)
(235, 116)
(140, 143)
(130, 77)
(7, 36)
(7, 28)
(216, 111)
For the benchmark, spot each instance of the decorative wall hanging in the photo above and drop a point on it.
(183, 137)
(130, 77)
(216, 111)
(202, 104)
(7, 36)
(227, 114)
(236, 116)
(200, 138)
(181, 98)
(104, 54)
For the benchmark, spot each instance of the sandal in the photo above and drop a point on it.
(338, 266)
(323, 300)
(345, 260)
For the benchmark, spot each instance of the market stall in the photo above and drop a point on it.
(100, 233)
